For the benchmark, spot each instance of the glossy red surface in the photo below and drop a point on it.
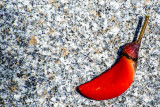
(112, 83)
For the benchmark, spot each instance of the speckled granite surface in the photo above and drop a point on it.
(49, 47)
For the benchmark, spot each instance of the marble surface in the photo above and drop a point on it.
(49, 47)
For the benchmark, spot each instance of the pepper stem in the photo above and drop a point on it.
(143, 29)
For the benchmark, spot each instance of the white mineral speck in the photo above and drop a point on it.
(17, 96)
(115, 5)
(114, 30)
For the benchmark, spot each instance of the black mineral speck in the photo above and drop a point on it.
(1, 101)
(33, 81)
(56, 89)
(20, 74)
(28, 84)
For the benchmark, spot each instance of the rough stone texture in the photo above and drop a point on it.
(49, 47)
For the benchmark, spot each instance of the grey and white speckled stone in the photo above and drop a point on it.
(48, 48)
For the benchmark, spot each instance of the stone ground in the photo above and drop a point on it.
(49, 47)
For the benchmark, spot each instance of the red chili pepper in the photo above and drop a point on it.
(117, 79)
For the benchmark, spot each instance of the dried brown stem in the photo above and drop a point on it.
(143, 29)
